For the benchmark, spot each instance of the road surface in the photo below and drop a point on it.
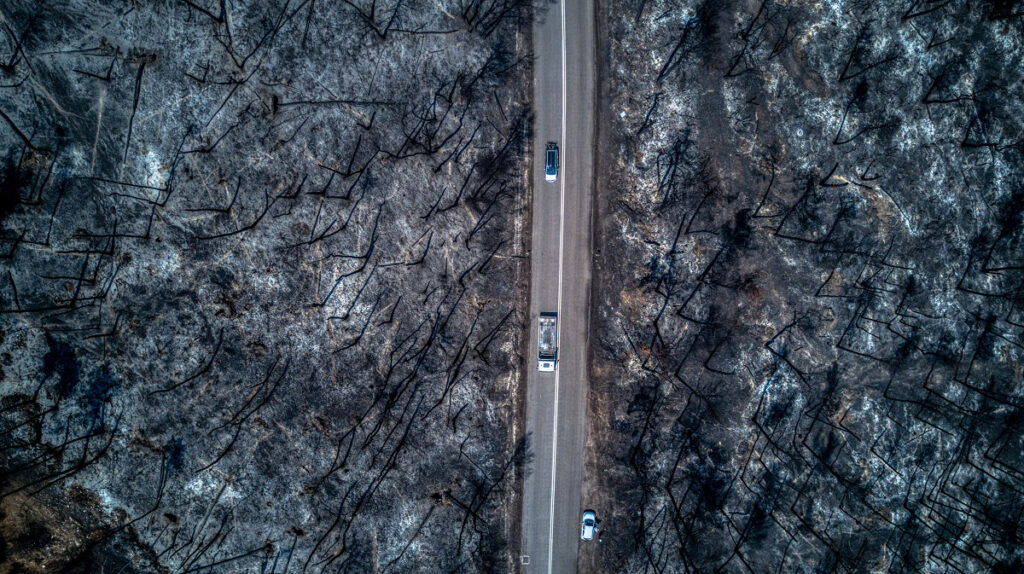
(560, 281)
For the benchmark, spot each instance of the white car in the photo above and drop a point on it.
(589, 525)
(551, 162)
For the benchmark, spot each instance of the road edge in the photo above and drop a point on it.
(589, 489)
(524, 281)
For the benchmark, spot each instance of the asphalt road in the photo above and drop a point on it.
(560, 281)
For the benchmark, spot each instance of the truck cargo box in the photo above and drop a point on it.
(547, 341)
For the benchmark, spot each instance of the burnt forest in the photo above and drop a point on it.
(265, 280)
(809, 287)
(263, 266)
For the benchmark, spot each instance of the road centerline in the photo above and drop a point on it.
(561, 253)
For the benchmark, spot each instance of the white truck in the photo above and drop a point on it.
(547, 341)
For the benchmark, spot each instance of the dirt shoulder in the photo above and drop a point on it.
(609, 549)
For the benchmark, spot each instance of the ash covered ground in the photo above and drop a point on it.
(263, 270)
(809, 316)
